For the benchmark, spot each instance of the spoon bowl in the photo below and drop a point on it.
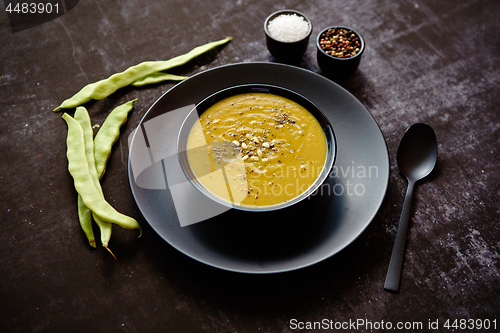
(417, 152)
(417, 156)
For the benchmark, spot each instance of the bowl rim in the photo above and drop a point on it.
(267, 88)
(287, 11)
(361, 50)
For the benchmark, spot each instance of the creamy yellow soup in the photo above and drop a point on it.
(256, 149)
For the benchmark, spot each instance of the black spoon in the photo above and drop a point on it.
(417, 155)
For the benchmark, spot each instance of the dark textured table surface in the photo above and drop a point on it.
(435, 62)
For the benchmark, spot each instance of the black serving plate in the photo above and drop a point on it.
(260, 242)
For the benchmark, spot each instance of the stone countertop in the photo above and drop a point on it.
(426, 61)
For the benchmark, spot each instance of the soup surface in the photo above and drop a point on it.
(256, 149)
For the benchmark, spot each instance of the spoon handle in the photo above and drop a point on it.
(393, 277)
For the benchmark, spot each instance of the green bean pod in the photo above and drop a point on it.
(103, 88)
(102, 148)
(84, 214)
(108, 134)
(105, 229)
(84, 184)
(85, 218)
(157, 78)
(83, 118)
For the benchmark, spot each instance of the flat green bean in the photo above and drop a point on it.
(85, 218)
(103, 88)
(108, 134)
(157, 78)
(103, 143)
(102, 149)
(84, 214)
(105, 228)
(84, 184)
(83, 118)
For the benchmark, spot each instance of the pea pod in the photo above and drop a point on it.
(101, 89)
(157, 78)
(84, 184)
(108, 134)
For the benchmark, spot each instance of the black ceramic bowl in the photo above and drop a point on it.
(334, 66)
(287, 52)
(193, 116)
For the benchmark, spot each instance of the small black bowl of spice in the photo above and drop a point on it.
(287, 35)
(339, 51)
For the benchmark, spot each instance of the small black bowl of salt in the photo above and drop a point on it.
(287, 35)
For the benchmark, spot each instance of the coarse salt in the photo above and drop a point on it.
(288, 28)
